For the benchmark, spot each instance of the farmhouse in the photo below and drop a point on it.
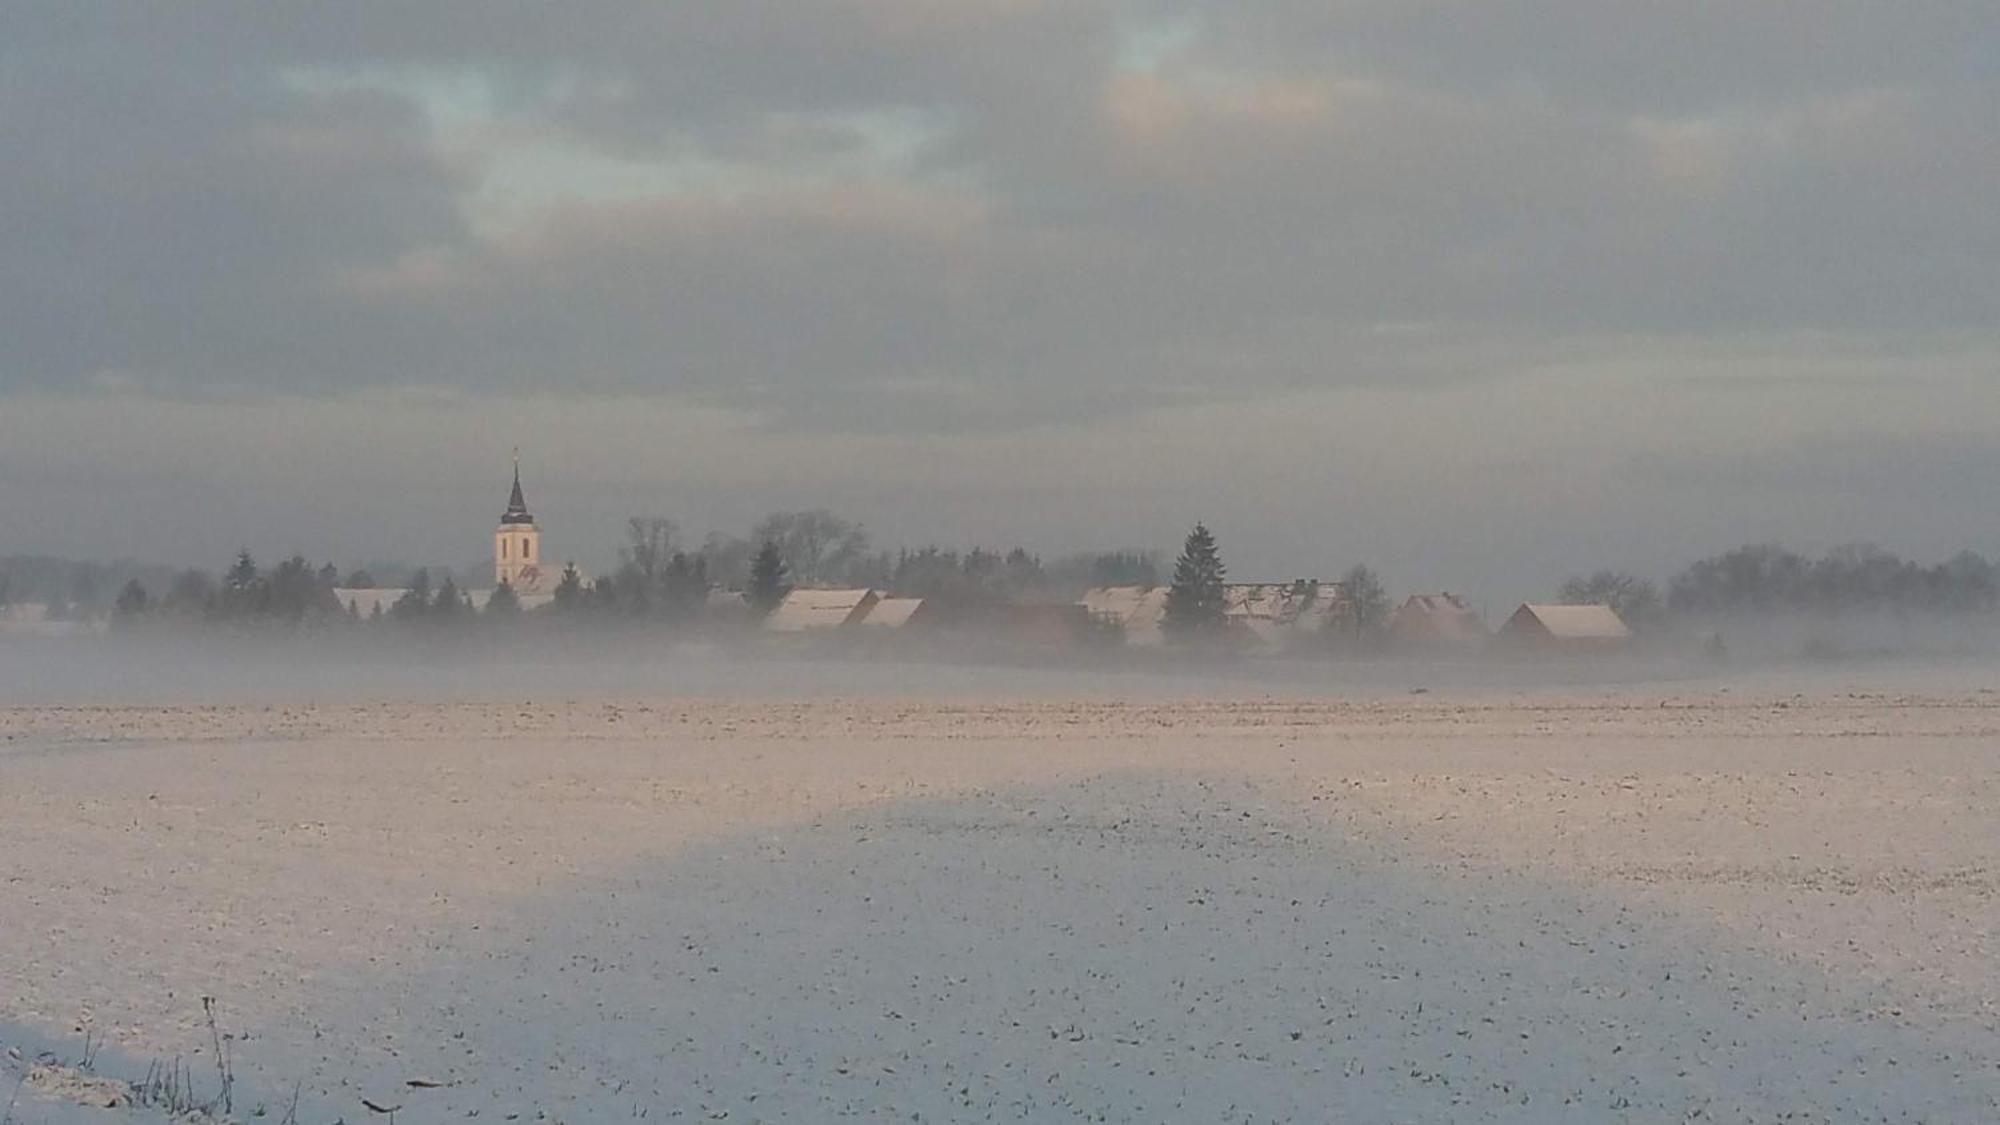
(1436, 622)
(896, 613)
(818, 611)
(1260, 614)
(1565, 627)
(1137, 610)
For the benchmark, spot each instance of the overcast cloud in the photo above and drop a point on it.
(1478, 291)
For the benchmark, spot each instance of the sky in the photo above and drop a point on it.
(1479, 293)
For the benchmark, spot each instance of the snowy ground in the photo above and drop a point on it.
(1643, 904)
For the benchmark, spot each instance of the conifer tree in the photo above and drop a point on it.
(416, 600)
(569, 589)
(132, 604)
(244, 590)
(243, 573)
(1195, 608)
(447, 604)
(767, 579)
(503, 603)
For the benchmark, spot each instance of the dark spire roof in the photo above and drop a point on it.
(517, 508)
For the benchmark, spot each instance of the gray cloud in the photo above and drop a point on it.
(896, 219)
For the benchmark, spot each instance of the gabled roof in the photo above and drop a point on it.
(1440, 617)
(1138, 609)
(807, 610)
(1576, 622)
(1271, 611)
(892, 613)
(1302, 603)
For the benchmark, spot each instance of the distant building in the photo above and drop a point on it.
(517, 546)
(367, 602)
(1259, 614)
(726, 606)
(815, 611)
(1436, 622)
(1137, 610)
(1565, 627)
(896, 613)
(34, 619)
(1280, 615)
(517, 559)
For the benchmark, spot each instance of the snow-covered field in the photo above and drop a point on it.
(1656, 903)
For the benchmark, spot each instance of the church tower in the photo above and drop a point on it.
(517, 544)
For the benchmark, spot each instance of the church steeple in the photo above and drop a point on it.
(517, 508)
(517, 543)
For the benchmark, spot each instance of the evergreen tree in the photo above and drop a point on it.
(448, 605)
(768, 586)
(684, 586)
(192, 594)
(569, 590)
(504, 605)
(294, 591)
(1195, 608)
(416, 600)
(244, 591)
(132, 604)
(243, 573)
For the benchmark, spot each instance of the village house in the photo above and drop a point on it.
(1266, 615)
(1565, 628)
(1436, 623)
(820, 611)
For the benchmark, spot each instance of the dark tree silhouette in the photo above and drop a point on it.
(1195, 608)
(131, 605)
(569, 590)
(818, 546)
(1632, 598)
(504, 604)
(415, 604)
(1369, 599)
(449, 605)
(243, 573)
(768, 585)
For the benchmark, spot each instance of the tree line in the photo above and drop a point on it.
(658, 577)
(1768, 579)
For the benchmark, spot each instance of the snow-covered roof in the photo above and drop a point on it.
(366, 601)
(1272, 611)
(893, 613)
(1138, 609)
(1579, 622)
(805, 610)
(1443, 617)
